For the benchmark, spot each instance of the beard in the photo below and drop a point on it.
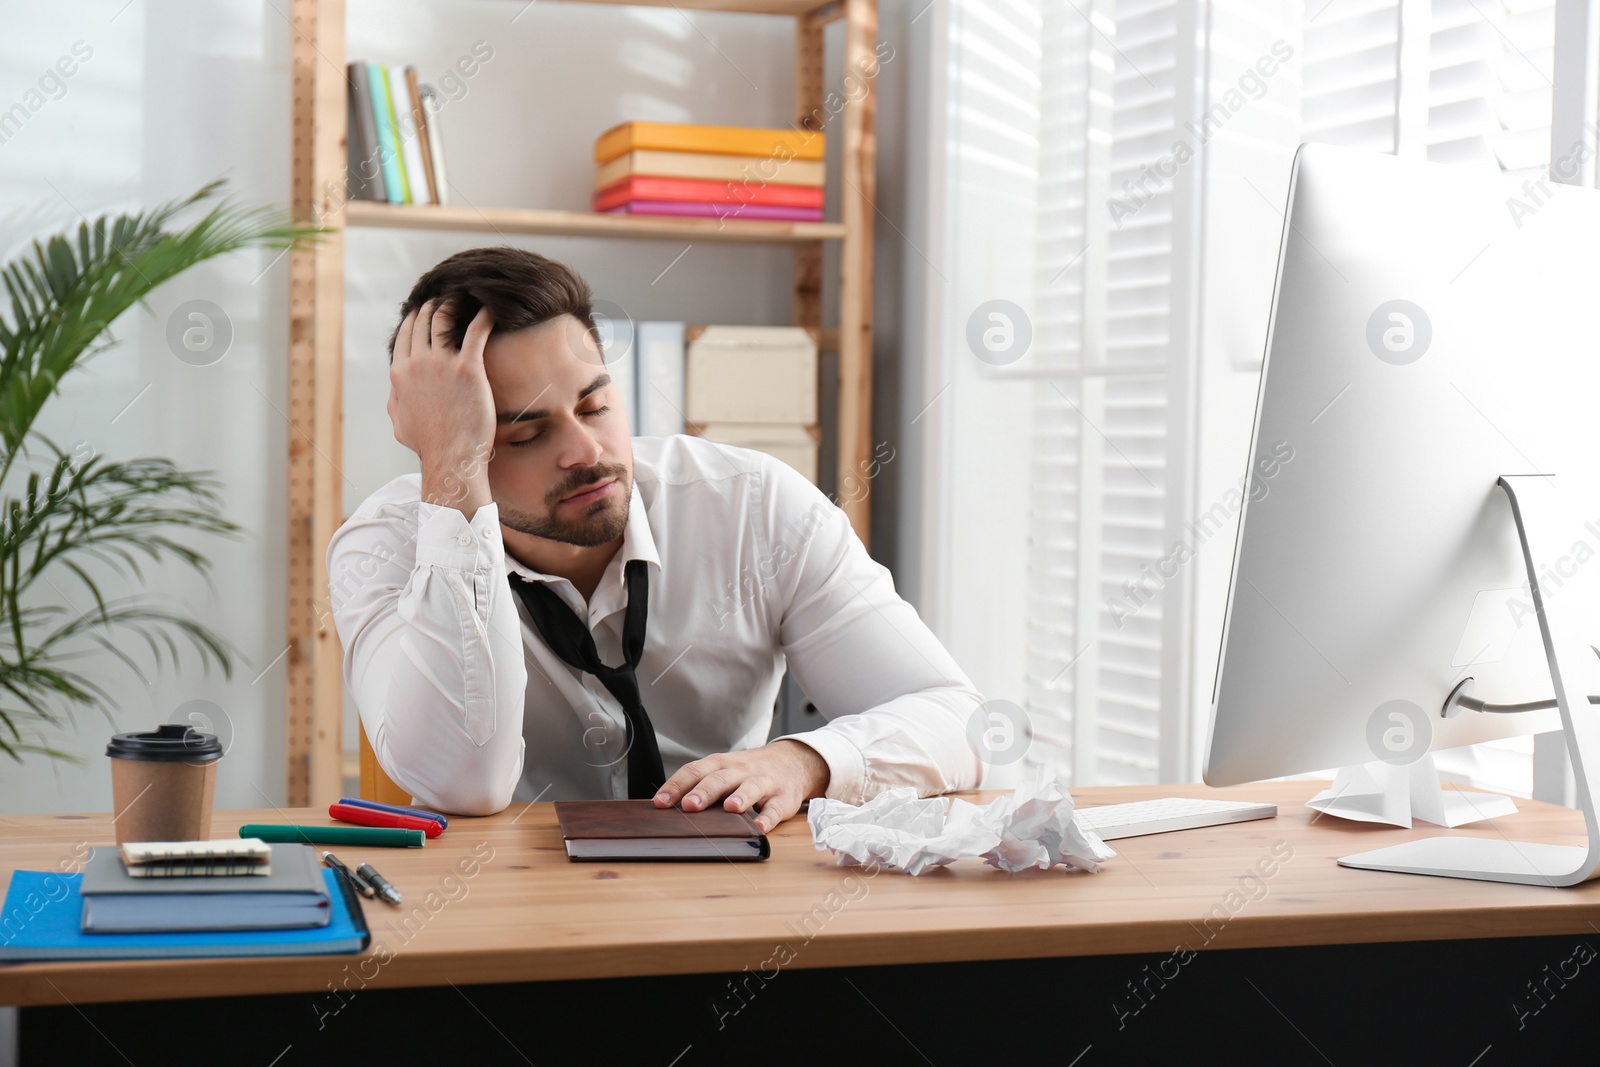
(600, 522)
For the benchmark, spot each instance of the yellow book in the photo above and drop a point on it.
(721, 140)
(756, 170)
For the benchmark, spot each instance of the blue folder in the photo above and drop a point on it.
(43, 910)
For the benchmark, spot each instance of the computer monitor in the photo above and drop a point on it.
(1431, 369)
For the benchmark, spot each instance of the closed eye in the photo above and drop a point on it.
(601, 410)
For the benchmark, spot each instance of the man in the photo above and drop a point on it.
(490, 607)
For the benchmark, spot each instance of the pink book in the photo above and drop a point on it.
(706, 210)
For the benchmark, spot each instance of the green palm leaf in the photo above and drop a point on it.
(89, 520)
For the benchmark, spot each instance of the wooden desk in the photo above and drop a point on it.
(496, 901)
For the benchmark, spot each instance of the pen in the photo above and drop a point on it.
(395, 809)
(335, 835)
(363, 816)
(380, 883)
(356, 880)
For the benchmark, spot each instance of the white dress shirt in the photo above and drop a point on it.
(750, 568)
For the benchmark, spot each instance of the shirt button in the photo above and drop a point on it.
(465, 539)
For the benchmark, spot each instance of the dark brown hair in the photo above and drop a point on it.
(519, 288)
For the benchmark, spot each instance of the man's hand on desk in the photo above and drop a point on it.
(773, 780)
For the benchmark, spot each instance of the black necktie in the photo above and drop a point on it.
(568, 637)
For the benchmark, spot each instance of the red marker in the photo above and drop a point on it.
(369, 817)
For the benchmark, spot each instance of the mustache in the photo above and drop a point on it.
(580, 480)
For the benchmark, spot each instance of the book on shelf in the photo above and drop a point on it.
(741, 170)
(683, 169)
(364, 158)
(390, 117)
(720, 140)
(292, 895)
(387, 146)
(431, 103)
(394, 142)
(419, 126)
(649, 187)
(686, 209)
(405, 127)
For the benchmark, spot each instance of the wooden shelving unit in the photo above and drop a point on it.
(316, 309)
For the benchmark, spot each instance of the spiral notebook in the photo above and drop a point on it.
(197, 859)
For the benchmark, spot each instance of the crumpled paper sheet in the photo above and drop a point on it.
(1033, 827)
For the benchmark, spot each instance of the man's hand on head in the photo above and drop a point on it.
(441, 404)
(773, 781)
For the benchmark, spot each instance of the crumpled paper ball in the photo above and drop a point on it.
(1035, 826)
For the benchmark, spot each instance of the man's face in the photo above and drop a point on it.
(562, 467)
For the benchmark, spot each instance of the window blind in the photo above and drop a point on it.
(1110, 112)
(1099, 448)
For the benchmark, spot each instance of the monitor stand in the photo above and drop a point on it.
(1535, 508)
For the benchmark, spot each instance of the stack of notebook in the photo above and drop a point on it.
(198, 898)
(394, 148)
(665, 168)
(291, 894)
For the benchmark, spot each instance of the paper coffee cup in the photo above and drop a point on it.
(162, 782)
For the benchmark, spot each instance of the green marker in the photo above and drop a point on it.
(335, 835)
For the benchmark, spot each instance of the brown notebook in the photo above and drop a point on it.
(638, 830)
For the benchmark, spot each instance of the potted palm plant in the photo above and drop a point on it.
(87, 518)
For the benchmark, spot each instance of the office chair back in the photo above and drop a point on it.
(375, 783)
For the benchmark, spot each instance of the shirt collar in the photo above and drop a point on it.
(637, 543)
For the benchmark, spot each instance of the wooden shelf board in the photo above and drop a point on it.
(367, 214)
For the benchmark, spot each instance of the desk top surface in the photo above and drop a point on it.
(526, 913)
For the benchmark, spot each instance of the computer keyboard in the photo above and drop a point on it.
(1142, 817)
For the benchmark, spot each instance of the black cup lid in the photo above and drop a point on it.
(170, 741)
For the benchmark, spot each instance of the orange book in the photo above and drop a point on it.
(644, 187)
(719, 140)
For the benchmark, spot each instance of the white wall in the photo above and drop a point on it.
(169, 99)
(177, 94)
